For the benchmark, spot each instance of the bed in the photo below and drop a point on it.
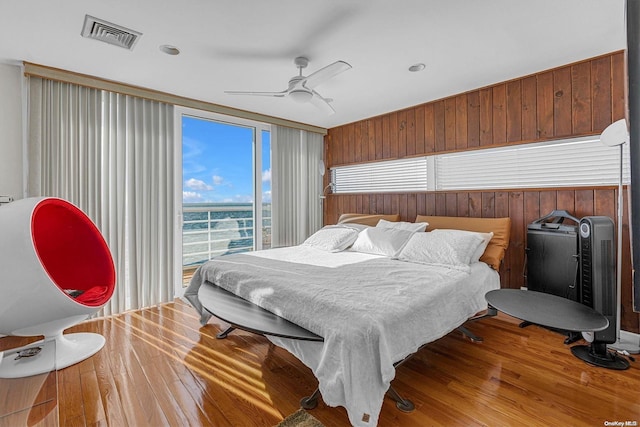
(372, 295)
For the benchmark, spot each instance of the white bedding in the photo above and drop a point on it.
(372, 311)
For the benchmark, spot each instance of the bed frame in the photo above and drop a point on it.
(244, 315)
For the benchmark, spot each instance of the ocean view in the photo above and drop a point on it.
(214, 229)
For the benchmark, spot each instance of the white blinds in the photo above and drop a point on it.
(391, 175)
(568, 163)
(563, 163)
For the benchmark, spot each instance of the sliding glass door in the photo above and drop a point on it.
(225, 188)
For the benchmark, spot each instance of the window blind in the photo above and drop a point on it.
(565, 163)
(386, 176)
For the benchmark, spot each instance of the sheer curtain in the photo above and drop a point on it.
(296, 185)
(112, 156)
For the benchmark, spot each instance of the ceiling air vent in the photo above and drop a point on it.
(107, 32)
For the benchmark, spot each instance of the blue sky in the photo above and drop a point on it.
(217, 162)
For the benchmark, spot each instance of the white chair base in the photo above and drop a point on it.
(56, 352)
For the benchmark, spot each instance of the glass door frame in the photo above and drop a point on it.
(258, 128)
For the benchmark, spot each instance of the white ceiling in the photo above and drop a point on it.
(250, 45)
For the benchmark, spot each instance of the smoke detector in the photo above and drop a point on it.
(117, 35)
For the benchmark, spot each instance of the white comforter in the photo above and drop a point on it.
(372, 312)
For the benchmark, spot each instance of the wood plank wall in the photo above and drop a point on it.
(575, 100)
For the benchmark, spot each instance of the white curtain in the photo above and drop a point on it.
(296, 185)
(112, 156)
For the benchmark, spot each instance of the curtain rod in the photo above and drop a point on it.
(36, 70)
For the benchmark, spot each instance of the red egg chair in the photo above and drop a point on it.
(55, 271)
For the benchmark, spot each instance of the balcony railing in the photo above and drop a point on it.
(217, 229)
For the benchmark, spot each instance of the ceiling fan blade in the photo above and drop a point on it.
(276, 94)
(325, 73)
(322, 103)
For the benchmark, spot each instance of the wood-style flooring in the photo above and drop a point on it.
(160, 368)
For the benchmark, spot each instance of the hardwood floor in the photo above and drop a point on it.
(159, 367)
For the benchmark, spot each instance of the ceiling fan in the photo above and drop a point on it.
(302, 89)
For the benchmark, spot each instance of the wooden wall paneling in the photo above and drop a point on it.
(366, 203)
(430, 204)
(373, 204)
(402, 133)
(450, 124)
(618, 85)
(419, 125)
(463, 204)
(562, 116)
(344, 144)
(451, 204)
(501, 204)
(488, 204)
(440, 203)
(486, 116)
(364, 140)
(566, 201)
(473, 119)
(371, 140)
(336, 146)
(378, 135)
(516, 245)
(531, 206)
(380, 204)
(421, 204)
(359, 207)
(529, 108)
(581, 97)
(351, 142)
(544, 105)
(601, 93)
(357, 142)
(411, 132)
(583, 203)
(412, 207)
(391, 204)
(475, 205)
(329, 151)
(499, 120)
(403, 209)
(514, 111)
(429, 128)
(439, 126)
(547, 202)
(386, 136)
(350, 203)
(461, 122)
(393, 135)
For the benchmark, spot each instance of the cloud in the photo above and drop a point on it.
(196, 184)
(266, 175)
(266, 197)
(191, 197)
(217, 180)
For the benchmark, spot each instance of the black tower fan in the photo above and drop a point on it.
(598, 289)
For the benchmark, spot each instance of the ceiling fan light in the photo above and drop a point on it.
(300, 95)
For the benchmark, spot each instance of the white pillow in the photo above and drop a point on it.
(442, 248)
(332, 238)
(486, 238)
(401, 225)
(381, 241)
